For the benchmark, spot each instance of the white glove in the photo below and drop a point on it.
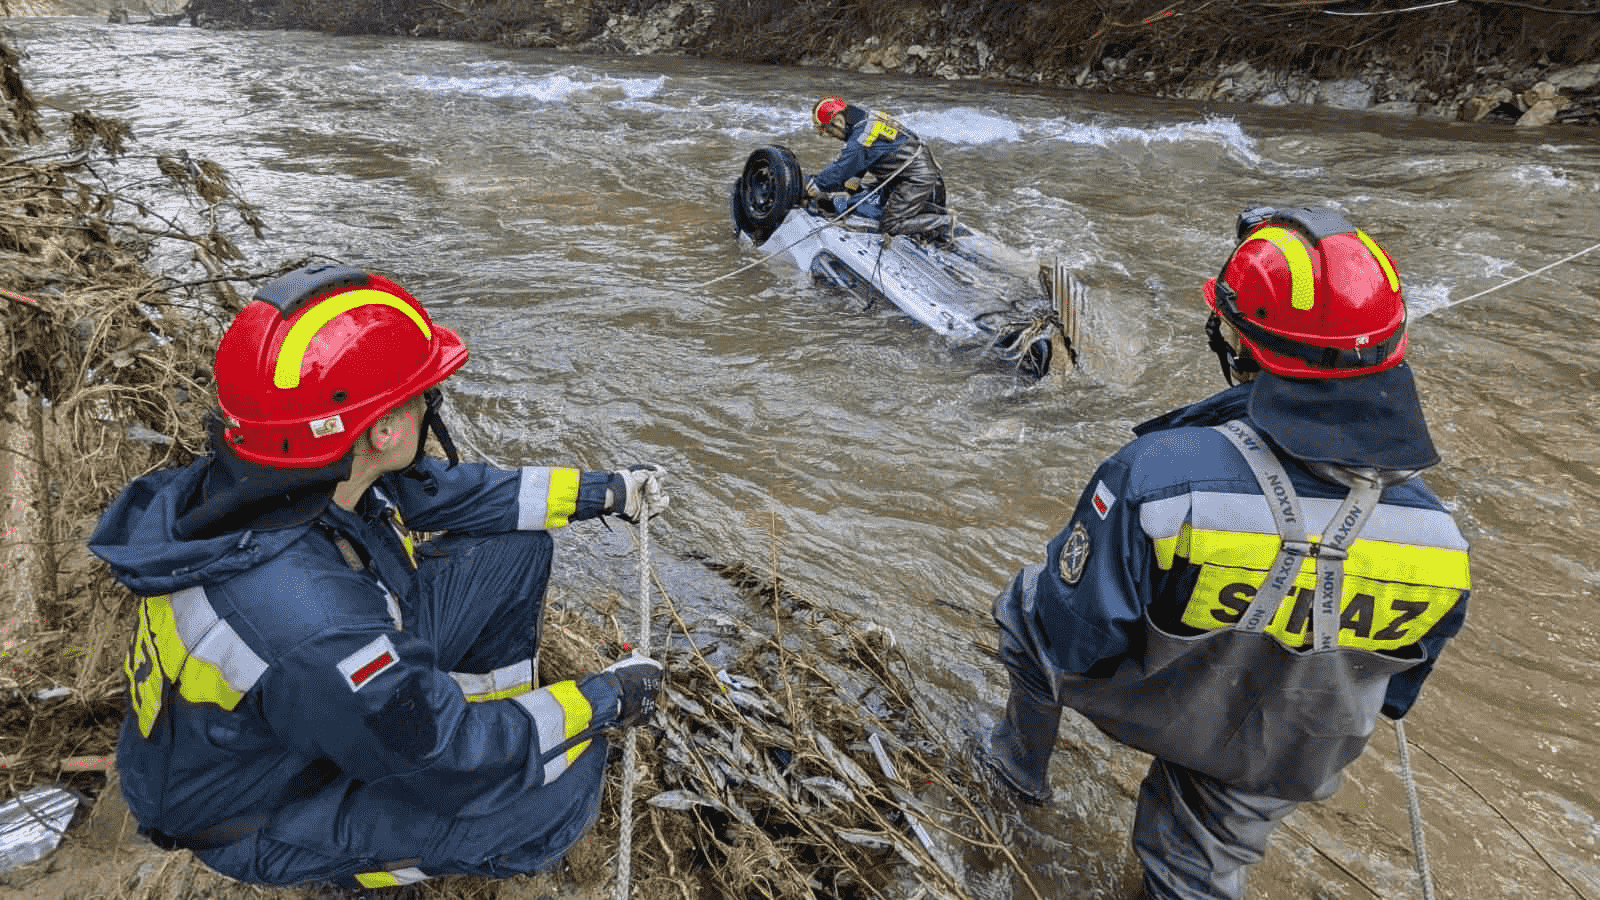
(636, 491)
(811, 187)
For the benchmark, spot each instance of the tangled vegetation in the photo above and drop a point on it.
(111, 362)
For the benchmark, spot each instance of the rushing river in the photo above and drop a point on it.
(565, 213)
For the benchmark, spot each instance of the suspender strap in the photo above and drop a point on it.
(1295, 545)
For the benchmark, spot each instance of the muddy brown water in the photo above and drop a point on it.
(566, 213)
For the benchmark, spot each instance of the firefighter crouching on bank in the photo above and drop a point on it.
(315, 696)
(1245, 586)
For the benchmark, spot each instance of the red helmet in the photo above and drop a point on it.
(1311, 295)
(825, 110)
(317, 357)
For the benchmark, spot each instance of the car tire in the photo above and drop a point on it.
(769, 187)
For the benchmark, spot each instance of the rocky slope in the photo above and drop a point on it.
(1498, 61)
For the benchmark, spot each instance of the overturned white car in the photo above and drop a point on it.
(974, 291)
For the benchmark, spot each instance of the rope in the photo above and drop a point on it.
(827, 223)
(1521, 277)
(1407, 777)
(1385, 12)
(630, 752)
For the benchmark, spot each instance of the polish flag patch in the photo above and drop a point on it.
(368, 663)
(1103, 499)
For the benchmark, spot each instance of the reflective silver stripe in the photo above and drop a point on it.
(1237, 512)
(1214, 511)
(550, 720)
(393, 605)
(533, 499)
(499, 683)
(408, 875)
(211, 640)
(1165, 518)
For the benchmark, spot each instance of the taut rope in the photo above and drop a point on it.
(630, 752)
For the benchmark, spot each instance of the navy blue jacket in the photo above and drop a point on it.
(259, 652)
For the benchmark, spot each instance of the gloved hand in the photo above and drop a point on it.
(852, 184)
(638, 682)
(636, 490)
(811, 187)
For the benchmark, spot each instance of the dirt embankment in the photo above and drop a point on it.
(1532, 63)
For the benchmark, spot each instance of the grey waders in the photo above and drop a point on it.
(1018, 750)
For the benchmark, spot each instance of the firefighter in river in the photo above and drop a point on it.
(908, 197)
(317, 696)
(1243, 588)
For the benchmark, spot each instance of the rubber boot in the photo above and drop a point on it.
(1018, 750)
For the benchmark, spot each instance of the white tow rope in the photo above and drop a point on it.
(630, 751)
(1507, 284)
(1423, 874)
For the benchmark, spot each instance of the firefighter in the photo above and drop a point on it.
(316, 696)
(908, 197)
(1243, 588)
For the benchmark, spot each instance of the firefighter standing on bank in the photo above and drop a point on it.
(314, 695)
(1243, 588)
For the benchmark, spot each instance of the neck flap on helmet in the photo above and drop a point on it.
(238, 495)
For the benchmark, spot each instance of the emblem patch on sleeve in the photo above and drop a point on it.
(368, 663)
(1103, 499)
(1074, 554)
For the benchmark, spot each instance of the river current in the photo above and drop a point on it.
(568, 215)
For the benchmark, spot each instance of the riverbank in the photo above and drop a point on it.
(1496, 63)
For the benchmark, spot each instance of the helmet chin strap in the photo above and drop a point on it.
(433, 423)
(1233, 365)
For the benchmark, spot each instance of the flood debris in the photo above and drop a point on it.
(806, 769)
(33, 823)
(97, 353)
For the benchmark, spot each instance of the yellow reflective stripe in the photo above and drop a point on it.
(181, 640)
(198, 680)
(879, 129)
(1168, 549)
(578, 714)
(502, 694)
(1445, 567)
(1303, 288)
(574, 705)
(405, 536)
(145, 677)
(292, 353)
(1393, 592)
(561, 497)
(1374, 615)
(1383, 260)
(406, 875)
